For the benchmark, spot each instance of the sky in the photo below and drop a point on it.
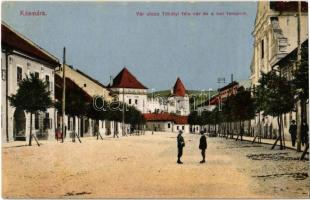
(103, 37)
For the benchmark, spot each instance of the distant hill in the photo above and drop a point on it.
(196, 97)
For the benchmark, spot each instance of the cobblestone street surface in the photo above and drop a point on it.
(145, 167)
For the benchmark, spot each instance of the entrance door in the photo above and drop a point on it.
(19, 125)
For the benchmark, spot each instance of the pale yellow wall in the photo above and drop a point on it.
(263, 31)
(92, 88)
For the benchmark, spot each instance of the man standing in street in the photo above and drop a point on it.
(293, 132)
(181, 144)
(203, 146)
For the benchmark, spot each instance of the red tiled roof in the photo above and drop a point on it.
(12, 39)
(214, 100)
(166, 117)
(179, 88)
(125, 79)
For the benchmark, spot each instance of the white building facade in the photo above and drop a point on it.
(20, 58)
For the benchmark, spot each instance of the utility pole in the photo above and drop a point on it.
(63, 93)
(299, 104)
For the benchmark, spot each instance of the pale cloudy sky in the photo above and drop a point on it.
(101, 38)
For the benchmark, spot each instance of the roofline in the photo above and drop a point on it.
(289, 54)
(30, 42)
(89, 77)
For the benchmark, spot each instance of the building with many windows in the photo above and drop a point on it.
(21, 57)
(275, 36)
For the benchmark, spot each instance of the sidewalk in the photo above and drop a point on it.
(288, 144)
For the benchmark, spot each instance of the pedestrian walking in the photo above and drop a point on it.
(293, 132)
(181, 145)
(304, 133)
(203, 146)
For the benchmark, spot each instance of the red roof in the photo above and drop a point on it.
(179, 89)
(214, 100)
(15, 41)
(166, 117)
(125, 79)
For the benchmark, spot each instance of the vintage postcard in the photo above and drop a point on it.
(153, 99)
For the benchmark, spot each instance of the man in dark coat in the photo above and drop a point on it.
(181, 144)
(203, 146)
(293, 132)
(304, 133)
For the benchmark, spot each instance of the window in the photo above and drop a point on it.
(177, 127)
(3, 74)
(262, 49)
(19, 74)
(136, 101)
(168, 125)
(47, 79)
(47, 122)
(183, 128)
(36, 74)
(129, 101)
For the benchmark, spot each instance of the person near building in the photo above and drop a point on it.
(203, 146)
(293, 132)
(304, 133)
(181, 145)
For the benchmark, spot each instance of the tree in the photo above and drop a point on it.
(242, 106)
(133, 116)
(32, 96)
(77, 104)
(227, 115)
(276, 98)
(97, 111)
(300, 83)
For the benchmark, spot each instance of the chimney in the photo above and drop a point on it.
(232, 77)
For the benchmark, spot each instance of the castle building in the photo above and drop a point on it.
(128, 89)
(178, 101)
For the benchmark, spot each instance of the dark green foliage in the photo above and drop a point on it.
(194, 118)
(301, 76)
(274, 94)
(242, 105)
(32, 95)
(76, 103)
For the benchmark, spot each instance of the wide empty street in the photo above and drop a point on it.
(145, 166)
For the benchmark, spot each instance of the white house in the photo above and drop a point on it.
(166, 122)
(129, 90)
(21, 57)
